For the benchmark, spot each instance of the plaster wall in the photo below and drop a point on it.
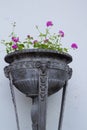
(71, 17)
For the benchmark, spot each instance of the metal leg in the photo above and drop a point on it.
(14, 101)
(62, 107)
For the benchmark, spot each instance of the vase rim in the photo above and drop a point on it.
(26, 51)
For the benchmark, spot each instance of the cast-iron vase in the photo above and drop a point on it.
(38, 73)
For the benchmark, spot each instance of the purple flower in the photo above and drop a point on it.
(15, 39)
(35, 41)
(61, 33)
(46, 40)
(74, 45)
(14, 46)
(49, 23)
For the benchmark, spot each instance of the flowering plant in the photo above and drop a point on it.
(45, 41)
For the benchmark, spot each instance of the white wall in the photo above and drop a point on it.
(70, 16)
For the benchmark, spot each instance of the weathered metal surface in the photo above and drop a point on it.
(38, 73)
(24, 70)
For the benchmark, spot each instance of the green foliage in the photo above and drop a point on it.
(45, 40)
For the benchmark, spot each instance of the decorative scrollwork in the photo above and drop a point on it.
(43, 86)
(43, 79)
(6, 71)
(70, 72)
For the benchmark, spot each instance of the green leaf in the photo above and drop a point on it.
(10, 43)
(42, 35)
(65, 50)
(29, 43)
(20, 46)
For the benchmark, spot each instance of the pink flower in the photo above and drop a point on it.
(74, 45)
(49, 23)
(35, 41)
(61, 33)
(14, 46)
(15, 39)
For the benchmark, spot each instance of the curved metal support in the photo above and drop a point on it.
(34, 113)
(14, 101)
(62, 107)
(43, 94)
